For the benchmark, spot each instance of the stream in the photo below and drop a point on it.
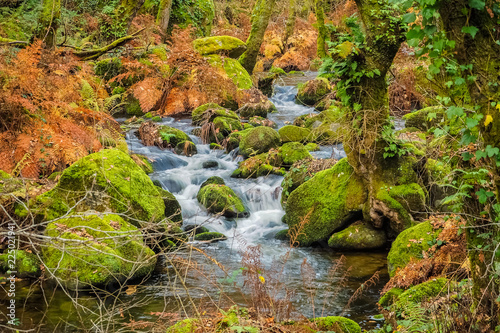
(316, 290)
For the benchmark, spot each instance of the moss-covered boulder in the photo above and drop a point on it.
(107, 181)
(210, 236)
(325, 203)
(259, 140)
(233, 70)
(27, 265)
(173, 211)
(186, 148)
(172, 136)
(292, 152)
(291, 133)
(425, 118)
(222, 45)
(259, 109)
(337, 324)
(261, 121)
(358, 236)
(226, 126)
(390, 297)
(258, 166)
(313, 91)
(198, 13)
(185, 326)
(95, 251)
(220, 199)
(311, 146)
(410, 244)
(423, 291)
(282, 235)
(213, 180)
(143, 162)
(208, 112)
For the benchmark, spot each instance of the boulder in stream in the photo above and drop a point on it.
(313, 91)
(96, 251)
(259, 140)
(221, 199)
(358, 236)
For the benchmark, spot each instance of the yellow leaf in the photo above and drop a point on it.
(261, 278)
(488, 120)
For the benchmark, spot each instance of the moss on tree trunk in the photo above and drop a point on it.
(124, 15)
(290, 22)
(48, 22)
(322, 33)
(260, 19)
(164, 15)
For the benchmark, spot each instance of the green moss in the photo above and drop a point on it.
(233, 70)
(390, 297)
(292, 152)
(358, 236)
(160, 52)
(108, 239)
(256, 121)
(277, 70)
(260, 109)
(210, 236)
(143, 162)
(334, 323)
(185, 326)
(222, 45)
(257, 166)
(208, 112)
(27, 264)
(172, 136)
(214, 145)
(220, 199)
(186, 148)
(326, 202)
(133, 106)
(290, 133)
(213, 180)
(172, 207)
(282, 235)
(422, 292)
(420, 118)
(259, 140)
(410, 244)
(105, 181)
(313, 91)
(402, 199)
(311, 146)
(227, 125)
(108, 68)
(198, 13)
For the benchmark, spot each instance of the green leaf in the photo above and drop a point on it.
(471, 123)
(477, 4)
(491, 151)
(454, 111)
(470, 30)
(409, 18)
(483, 195)
(376, 71)
(480, 154)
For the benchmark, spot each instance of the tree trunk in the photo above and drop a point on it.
(164, 15)
(49, 22)
(260, 19)
(124, 15)
(482, 52)
(290, 23)
(322, 33)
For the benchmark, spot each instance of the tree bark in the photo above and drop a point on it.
(124, 15)
(48, 22)
(482, 52)
(164, 15)
(322, 33)
(290, 22)
(260, 19)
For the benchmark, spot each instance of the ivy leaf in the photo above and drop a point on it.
(477, 4)
(491, 151)
(470, 30)
(483, 195)
(409, 18)
(467, 156)
(454, 111)
(481, 154)
(471, 123)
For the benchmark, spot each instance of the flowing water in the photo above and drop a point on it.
(315, 286)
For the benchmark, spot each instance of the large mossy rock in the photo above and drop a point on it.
(198, 13)
(233, 70)
(107, 181)
(410, 244)
(337, 324)
(257, 166)
(220, 199)
(358, 236)
(27, 265)
(258, 109)
(226, 126)
(290, 133)
(423, 292)
(313, 91)
(172, 136)
(325, 203)
(95, 251)
(222, 45)
(259, 140)
(425, 118)
(292, 152)
(208, 112)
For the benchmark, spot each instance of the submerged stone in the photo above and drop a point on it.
(358, 236)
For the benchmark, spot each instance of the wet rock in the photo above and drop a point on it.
(260, 121)
(213, 180)
(259, 140)
(208, 112)
(220, 199)
(358, 236)
(210, 236)
(195, 229)
(290, 133)
(186, 148)
(210, 164)
(260, 109)
(27, 265)
(313, 91)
